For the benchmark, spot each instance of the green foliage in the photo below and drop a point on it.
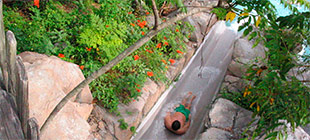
(123, 125)
(272, 93)
(133, 129)
(91, 33)
(220, 13)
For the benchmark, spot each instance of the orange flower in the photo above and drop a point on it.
(166, 67)
(107, 26)
(164, 61)
(165, 38)
(271, 101)
(142, 33)
(136, 57)
(133, 25)
(133, 100)
(172, 61)
(147, 13)
(149, 51)
(189, 36)
(82, 67)
(129, 12)
(61, 55)
(142, 24)
(139, 90)
(160, 54)
(138, 21)
(88, 49)
(37, 3)
(259, 71)
(150, 74)
(164, 20)
(178, 51)
(138, 85)
(158, 45)
(177, 30)
(166, 43)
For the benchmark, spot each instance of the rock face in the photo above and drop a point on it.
(298, 134)
(215, 134)
(227, 121)
(243, 54)
(202, 23)
(50, 79)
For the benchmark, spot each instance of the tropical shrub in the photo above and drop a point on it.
(91, 33)
(272, 93)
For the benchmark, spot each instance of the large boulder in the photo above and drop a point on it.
(227, 120)
(50, 79)
(244, 53)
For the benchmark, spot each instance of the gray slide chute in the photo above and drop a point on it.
(203, 76)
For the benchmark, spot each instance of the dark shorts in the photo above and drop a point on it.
(183, 110)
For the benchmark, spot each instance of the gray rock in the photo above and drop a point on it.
(224, 86)
(222, 114)
(215, 134)
(232, 88)
(211, 3)
(245, 52)
(202, 20)
(196, 36)
(231, 79)
(300, 76)
(237, 69)
(298, 134)
(307, 129)
(242, 120)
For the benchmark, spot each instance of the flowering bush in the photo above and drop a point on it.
(90, 35)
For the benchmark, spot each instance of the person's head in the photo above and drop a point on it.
(176, 125)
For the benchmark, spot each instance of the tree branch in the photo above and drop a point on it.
(156, 16)
(115, 61)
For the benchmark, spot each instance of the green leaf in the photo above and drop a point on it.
(247, 31)
(256, 42)
(252, 35)
(241, 27)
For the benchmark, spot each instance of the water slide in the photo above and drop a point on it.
(203, 76)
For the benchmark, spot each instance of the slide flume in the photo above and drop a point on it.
(203, 76)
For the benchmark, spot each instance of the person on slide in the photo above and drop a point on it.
(180, 121)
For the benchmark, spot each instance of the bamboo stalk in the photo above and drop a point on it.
(22, 94)
(11, 62)
(3, 63)
(32, 129)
